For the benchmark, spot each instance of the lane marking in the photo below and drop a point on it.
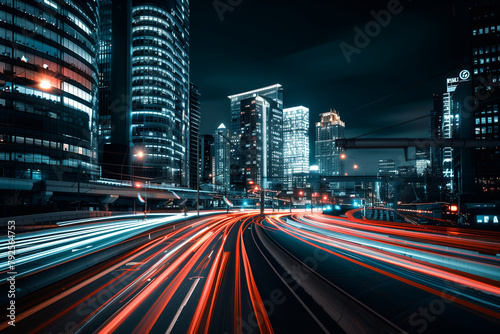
(184, 302)
(80, 249)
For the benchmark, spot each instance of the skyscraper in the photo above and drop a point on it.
(160, 89)
(295, 142)
(194, 133)
(328, 130)
(48, 82)
(207, 159)
(450, 129)
(485, 46)
(257, 137)
(435, 120)
(115, 88)
(222, 158)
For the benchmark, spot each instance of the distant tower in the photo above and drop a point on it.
(222, 154)
(328, 131)
(194, 133)
(295, 142)
(257, 137)
(206, 158)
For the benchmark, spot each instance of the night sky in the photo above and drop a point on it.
(297, 44)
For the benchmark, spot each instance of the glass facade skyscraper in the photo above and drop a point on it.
(49, 84)
(257, 137)
(448, 126)
(485, 47)
(160, 89)
(295, 142)
(328, 130)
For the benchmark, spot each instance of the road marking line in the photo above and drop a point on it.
(184, 302)
(80, 249)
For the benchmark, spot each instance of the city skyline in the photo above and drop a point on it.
(375, 90)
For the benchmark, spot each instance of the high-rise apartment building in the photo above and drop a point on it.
(328, 155)
(257, 137)
(49, 84)
(160, 89)
(295, 142)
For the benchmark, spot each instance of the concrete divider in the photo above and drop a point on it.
(349, 313)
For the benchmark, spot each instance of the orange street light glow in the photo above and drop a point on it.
(45, 84)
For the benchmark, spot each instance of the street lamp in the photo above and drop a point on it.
(45, 84)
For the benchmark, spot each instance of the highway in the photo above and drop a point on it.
(287, 273)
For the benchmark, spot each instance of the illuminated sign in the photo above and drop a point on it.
(487, 219)
(464, 75)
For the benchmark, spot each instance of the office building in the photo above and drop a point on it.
(485, 47)
(194, 135)
(328, 155)
(385, 191)
(387, 167)
(207, 159)
(450, 126)
(422, 160)
(115, 88)
(48, 83)
(407, 171)
(435, 121)
(295, 142)
(160, 90)
(222, 155)
(257, 138)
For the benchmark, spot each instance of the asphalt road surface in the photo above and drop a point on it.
(285, 273)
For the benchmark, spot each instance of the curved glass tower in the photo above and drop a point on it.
(160, 90)
(48, 89)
